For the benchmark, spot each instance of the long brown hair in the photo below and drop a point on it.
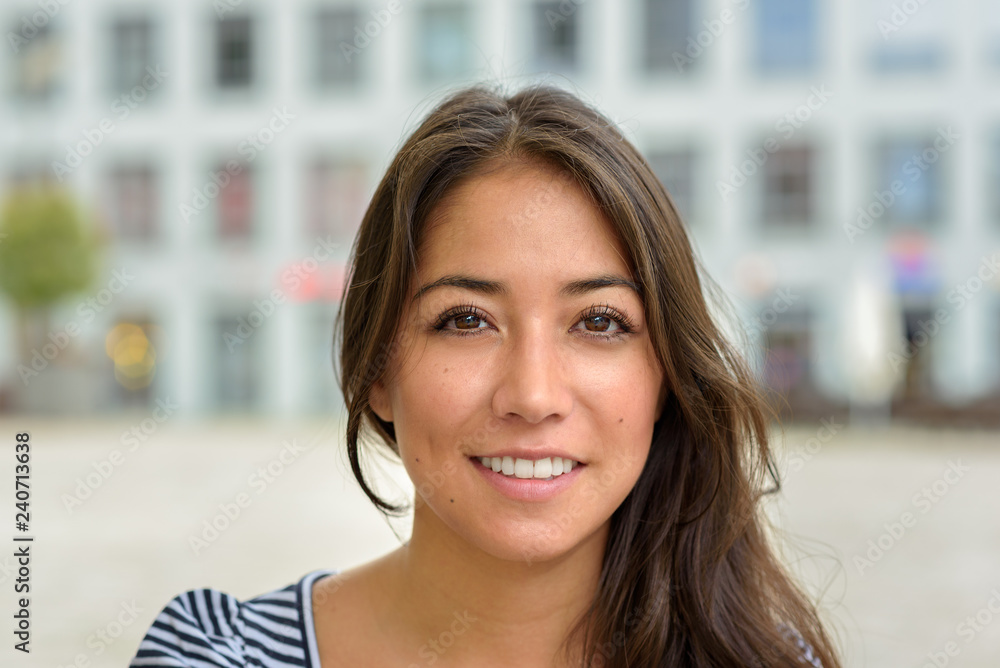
(689, 576)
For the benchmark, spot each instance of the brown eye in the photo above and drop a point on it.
(468, 321)
(601, 323)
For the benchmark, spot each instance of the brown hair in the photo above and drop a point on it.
(689, 577)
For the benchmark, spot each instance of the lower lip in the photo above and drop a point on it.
(527, 489)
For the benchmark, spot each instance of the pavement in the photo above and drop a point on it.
(896, 530)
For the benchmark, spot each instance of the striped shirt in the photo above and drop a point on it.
(205, 628)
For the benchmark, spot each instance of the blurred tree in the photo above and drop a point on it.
(47, 252)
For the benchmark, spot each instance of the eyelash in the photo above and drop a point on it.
(625, 324)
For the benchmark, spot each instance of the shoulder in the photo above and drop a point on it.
(206, 628)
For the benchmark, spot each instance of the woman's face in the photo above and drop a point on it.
(523, 339)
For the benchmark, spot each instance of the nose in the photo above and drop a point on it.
(533, 383)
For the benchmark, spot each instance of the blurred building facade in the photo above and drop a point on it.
(838, 164)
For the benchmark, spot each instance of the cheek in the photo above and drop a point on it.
(628, 415)
(625, 395)
(434, 406)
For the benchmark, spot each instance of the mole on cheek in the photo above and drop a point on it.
(417, 458)
(621, 419)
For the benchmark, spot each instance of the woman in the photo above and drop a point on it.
(524, 327)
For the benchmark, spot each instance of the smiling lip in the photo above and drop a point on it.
(527, 489)
(533, 455)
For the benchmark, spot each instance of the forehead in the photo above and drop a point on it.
(517, 211)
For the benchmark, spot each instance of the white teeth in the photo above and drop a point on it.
(542, 469)
(507, 465)
(523, 468)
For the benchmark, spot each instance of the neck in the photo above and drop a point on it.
(468, 607)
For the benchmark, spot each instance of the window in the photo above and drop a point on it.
(445, 48)
(788, 188)
(134, 203)
(908, 40)
(336, 199)
(993, 185)
(236, 358)
(337, 61)
(917, 381)
(234, 53)
(556, 32)
(675, 169)
(916, 58)
(131, 52)
(325, 397)
(37, 63)
(787, 36)
(992, 16)
(236, 205)
(667, 25)
(787, 368)
(909, 181)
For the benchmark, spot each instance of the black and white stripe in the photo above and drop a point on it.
(206, 628)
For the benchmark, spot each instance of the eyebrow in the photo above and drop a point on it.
(501, 289)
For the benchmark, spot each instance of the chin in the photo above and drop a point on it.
(527, 542)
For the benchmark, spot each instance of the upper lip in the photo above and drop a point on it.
(532, 454)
